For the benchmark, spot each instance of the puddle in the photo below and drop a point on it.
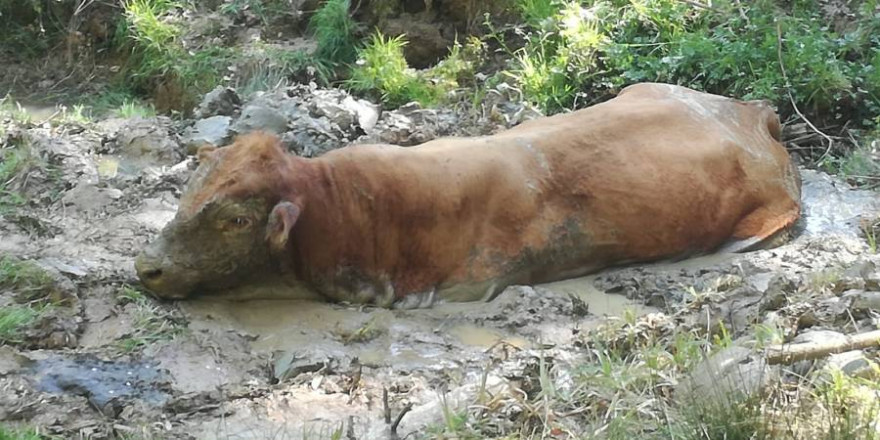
(832, 206)
(101, 381)
(482, 337)
(600, 303)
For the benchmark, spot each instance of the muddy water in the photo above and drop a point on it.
(414, 338)
(101, 381)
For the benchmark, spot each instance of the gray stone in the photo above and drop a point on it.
(729, 376)
(260, 117)
(776, 294)
(222, 101)
(335, 112)
(88, 197)
(291, 364)
(367, 113)
(861, 301)
(11, 361)
(214, 130)
(853, 363)
(149, 138)
(819, 337)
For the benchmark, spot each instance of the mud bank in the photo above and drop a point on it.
(105, 361)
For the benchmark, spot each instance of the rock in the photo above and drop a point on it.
(11, 361)
(213, 130)
(260, 117)
(88, 197)
(310, 143)
(222, 101)
(776, 295)
(733, 374)
(819, 337)
(335, 112)
(852, 363)
(861, 301)
(853, 277)
(290, 364)
(149, 138)
(367, 113)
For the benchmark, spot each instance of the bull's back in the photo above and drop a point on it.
(657, 172)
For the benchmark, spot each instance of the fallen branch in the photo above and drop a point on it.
(791, 97)
(387, 411)
(406, 409)
(786, 354)
(699, 5)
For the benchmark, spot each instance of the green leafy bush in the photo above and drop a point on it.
(334, 31)
(382, 70)
(579, 52)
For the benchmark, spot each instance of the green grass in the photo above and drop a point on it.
(134, 109)
(579, 52)
(335, 32)
(151, 322)
(15, 157)
(13, 319)
(23, 276)
(382, 71)
(19, 434)
(266, 10)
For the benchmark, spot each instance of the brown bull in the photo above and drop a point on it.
(658, 172)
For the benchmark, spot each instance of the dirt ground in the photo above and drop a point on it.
(105, 361)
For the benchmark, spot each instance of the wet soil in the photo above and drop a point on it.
(108, 362)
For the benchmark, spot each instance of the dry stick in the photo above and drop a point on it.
(698, 5)
(387, 407)
(403, 412)
(791, 97)
(784, 354)
(742, 13)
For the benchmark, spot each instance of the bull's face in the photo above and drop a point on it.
(232, 219)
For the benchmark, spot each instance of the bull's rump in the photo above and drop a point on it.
(659, 171)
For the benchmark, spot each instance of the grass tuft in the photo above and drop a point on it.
(151, 322)
(382, 70)
(14, 319)
(18, 434)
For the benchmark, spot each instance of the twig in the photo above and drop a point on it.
(403, 412)
(791, 97)
(699, 5)
(779, 354)
(742, 13)
(387, 407)
(349, 433)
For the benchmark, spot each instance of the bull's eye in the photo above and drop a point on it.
(239, 223)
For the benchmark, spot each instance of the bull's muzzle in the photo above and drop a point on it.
(156, 275)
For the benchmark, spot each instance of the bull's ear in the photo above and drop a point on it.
(281, 221)
(204, 152)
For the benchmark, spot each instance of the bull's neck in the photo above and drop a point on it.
(328, 215)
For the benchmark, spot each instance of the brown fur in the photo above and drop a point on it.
(660, 171)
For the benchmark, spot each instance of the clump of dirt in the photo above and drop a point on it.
(106, 361)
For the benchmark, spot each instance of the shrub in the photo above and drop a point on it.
(334, 30)
(576, 53)
(382, 70)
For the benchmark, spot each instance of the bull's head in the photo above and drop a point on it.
(237, 211)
